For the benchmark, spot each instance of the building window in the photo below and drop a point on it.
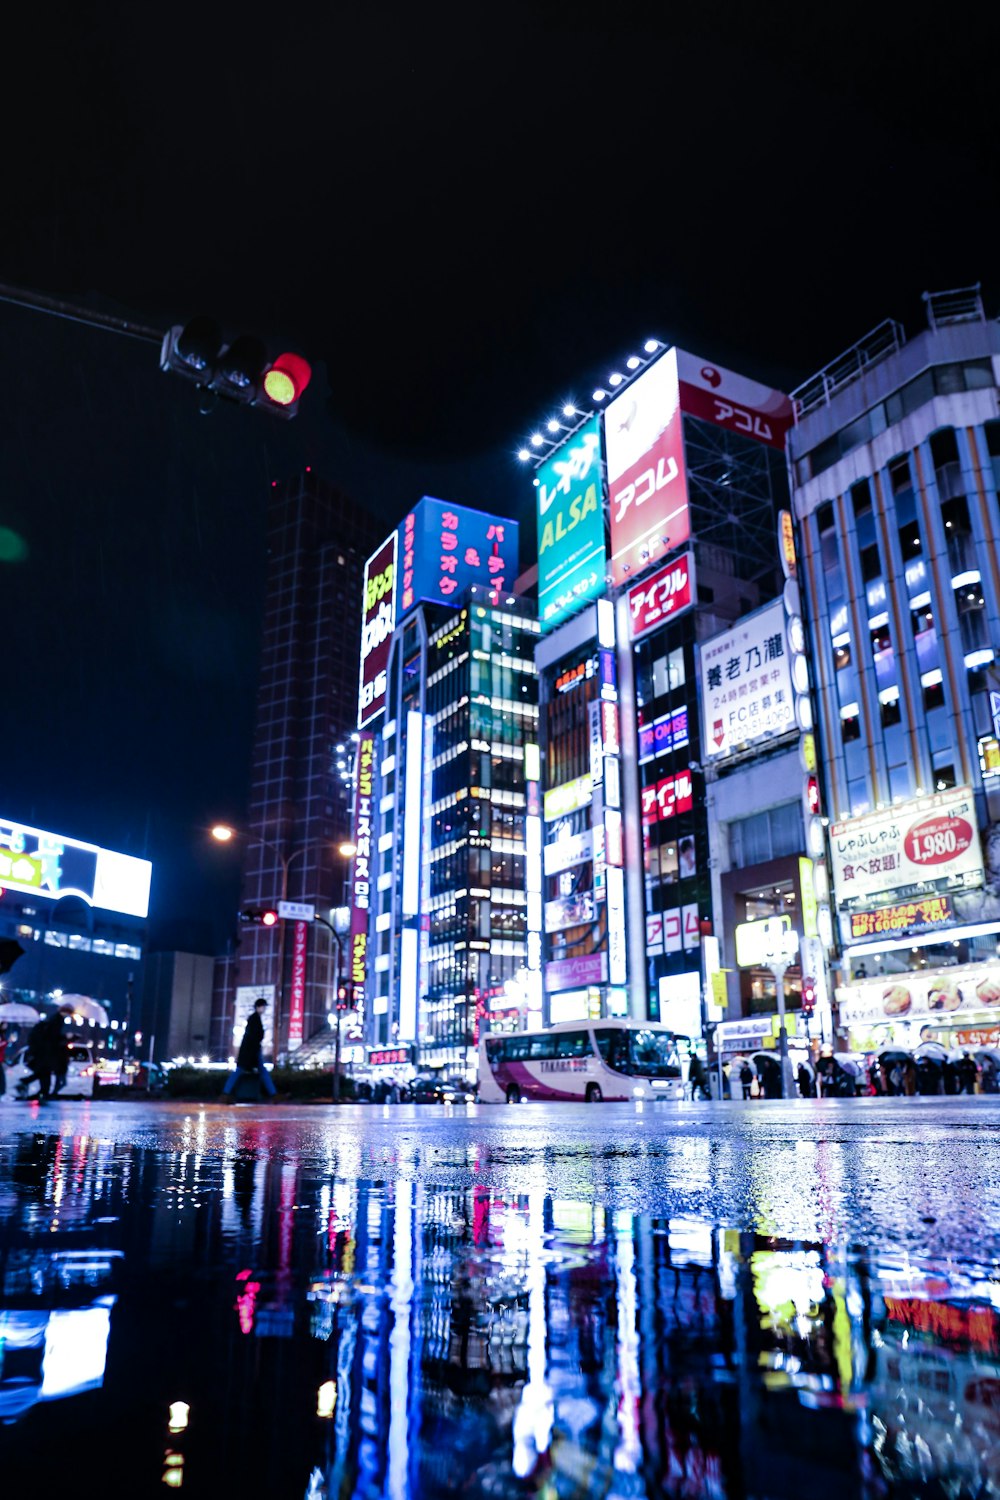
(766, 836)
(850, 727)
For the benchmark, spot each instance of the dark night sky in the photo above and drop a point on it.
(462, 217)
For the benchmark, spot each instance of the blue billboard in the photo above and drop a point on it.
(572, 557)
(444, 549)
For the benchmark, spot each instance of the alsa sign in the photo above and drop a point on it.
(647, 484)
(664, 595)
(571, 550)
(716, 395)
(378, 621)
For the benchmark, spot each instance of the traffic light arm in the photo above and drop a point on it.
(73, 313)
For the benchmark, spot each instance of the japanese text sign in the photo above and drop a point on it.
(50, 866)
(361, 875)
(378, 621)
(746, 683)
(927, 844)
(666, 594)
(647, 484)
(571, 552)
(908, 916)
(731, 401)
(446, 549)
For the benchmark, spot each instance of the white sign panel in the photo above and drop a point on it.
(654, 934)
(928, 843)
(52, 865)
(296, 911)
(746, 683)
(567, 851)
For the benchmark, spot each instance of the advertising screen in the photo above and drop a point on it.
(746, 683)
(378, 621)
(445, 549)
(50, 866)
(647, 484)
(572, 559)
(731, 401)
(927, 844)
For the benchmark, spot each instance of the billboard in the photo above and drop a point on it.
(297, 991)
(572, 558)
(445, 549)
(731, 401)
(361, 873)
(926, 844)
(923, 994)
(51, 865)
(746, 683)
(378, 621)
(669, 592)
(647, 484)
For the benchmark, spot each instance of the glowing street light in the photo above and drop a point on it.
(223, 833)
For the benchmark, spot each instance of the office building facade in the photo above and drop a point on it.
(895, 461)
(299, 807)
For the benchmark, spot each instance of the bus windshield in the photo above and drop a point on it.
(646, 1053)
(653, 1054)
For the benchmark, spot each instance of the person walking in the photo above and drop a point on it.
(44, 1056)
(248, 1059)
(968, 1073)
(746, 1079)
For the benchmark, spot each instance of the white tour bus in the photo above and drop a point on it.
(589, 1060)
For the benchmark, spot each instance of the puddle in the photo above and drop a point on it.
(241, 1321)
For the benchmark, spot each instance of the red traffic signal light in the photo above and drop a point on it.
(812, 794)
(259, 916)
(808, 996)
(240, 370)
(345, 997)
(286, 379)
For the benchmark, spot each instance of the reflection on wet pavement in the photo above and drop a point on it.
(240, 1313)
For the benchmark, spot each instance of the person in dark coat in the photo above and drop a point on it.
(248, 1059)
(46, 1044)
(968, 1073)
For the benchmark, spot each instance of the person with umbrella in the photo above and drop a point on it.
(46, 1049)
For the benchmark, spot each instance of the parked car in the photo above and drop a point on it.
(426, 1088)
(80, 1074)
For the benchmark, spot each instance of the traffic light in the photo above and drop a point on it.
(808, 996)
(345, 997)
(240, 371)
(259, 916)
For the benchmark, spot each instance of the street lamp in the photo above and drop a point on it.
(223, 834)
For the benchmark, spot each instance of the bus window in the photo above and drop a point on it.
(613, 1047)
(573, 1044)
(653, 1051)
(542, 1047)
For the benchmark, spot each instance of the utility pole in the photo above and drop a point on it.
(781, 946)
(337, 970)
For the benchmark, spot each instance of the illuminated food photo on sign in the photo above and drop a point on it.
(378, 621)
(926, 844)
(572, 558)
(647, 484)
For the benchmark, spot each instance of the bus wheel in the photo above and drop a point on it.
(594, 1095)
(513, 1094)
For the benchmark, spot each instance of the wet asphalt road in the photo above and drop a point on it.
(742, 1301)
(923, 1173)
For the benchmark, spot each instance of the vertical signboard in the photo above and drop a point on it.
(647, 484)
(571, 553)
(378, 621)
(297, 992)
(361, 877)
